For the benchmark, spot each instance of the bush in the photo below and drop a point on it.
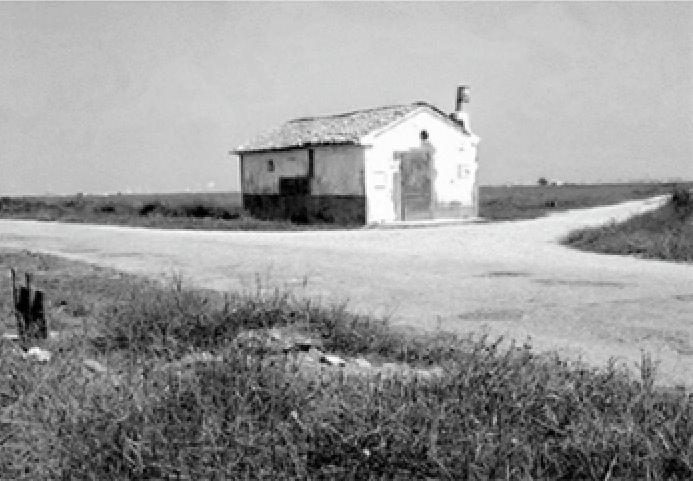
(107, 208)
(199, 210)
(156, 207)
(682, 202)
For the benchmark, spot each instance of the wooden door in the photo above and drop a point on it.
(416, 185)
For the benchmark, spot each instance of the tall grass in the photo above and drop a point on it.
(496, 413)
(665, 233)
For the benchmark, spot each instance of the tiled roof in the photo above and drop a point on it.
(346, 128)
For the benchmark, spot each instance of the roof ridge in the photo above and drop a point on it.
(359, 111)
(340, 128)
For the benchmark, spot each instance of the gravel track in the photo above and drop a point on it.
(505, 278)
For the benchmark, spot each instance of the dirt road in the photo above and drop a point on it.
(507, 278)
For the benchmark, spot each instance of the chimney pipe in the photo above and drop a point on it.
(462, 97)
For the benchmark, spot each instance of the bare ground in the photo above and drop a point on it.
(510, 278)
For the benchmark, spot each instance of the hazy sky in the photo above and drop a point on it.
(150, 97)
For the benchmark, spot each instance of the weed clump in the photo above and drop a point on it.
(665, 233)
(495, 411)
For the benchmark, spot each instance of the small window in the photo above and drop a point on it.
(423, 135)
(270, 165)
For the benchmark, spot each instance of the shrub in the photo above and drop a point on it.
(107, 208)
(682, 202)
(156, 207)
(198, 210)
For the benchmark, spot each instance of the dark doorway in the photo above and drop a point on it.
(295, 195)
(294, 186)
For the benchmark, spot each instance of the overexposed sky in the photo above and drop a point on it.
(151, 96)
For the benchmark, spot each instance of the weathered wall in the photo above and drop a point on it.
(337, 170)
(454, 167)
(337, 209)
(337, 192)
(256, 179)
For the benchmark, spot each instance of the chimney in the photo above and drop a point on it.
(462, 97)
(459, 115)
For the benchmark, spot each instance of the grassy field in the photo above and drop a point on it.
(194, 389)
(223, 211)
(528, 202)
(666, 233)
(215, 211)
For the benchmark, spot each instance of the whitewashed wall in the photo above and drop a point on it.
(454, 150)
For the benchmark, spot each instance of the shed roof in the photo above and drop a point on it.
(339, 129)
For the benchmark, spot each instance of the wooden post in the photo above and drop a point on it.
(15, 305)
(30, 314)
(40, 327)
(24, 309)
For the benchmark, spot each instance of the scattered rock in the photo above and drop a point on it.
(38, 354)
(291, 340)
(307, 356)
(362, 363)
(95, 366)
(432, 373)
(201, 357)
(313, 355)
(254, 340)
(187, 363)
(11, 336)
(276, 341)
(17, 351)
(390, 369)
(332, 360)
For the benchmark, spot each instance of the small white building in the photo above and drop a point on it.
(386, 164)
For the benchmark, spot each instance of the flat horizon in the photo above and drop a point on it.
(151, 96)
